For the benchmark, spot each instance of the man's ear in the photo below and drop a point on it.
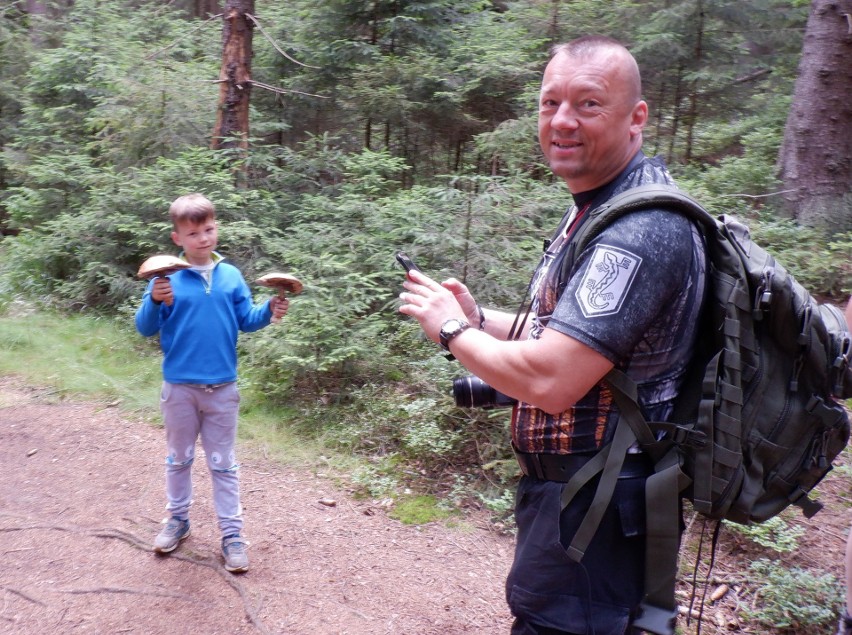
(639, 117)
(176, 239)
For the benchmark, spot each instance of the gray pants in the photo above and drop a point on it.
(190, 411)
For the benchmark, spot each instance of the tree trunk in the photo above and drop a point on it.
(675, 125)
(232, 117)
(692, 117)
(205, 8)
(815, 161)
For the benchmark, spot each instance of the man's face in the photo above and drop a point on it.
(197, 239)
(590, 118)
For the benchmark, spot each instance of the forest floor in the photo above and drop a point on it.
(82, 498)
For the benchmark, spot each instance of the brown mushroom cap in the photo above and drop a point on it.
(281, 282)
(161, 265)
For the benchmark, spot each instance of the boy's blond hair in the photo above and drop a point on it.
(191, 208)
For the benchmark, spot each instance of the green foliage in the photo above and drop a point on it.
(792, 600)
(402, 125)
(418, 510)
(821, 267)
(776, 534)
(86, 256)
(115, 86)
(822, 264)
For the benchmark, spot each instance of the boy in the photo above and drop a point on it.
(198, 313)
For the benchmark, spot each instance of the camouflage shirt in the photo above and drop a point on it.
(634, 296)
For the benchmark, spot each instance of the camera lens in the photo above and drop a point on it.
(472, 392)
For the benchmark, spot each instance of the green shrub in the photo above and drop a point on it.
(790, 599)
(776, 534)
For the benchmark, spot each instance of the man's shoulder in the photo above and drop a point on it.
(650, 224)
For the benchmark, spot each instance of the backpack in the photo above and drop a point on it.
(755, 426)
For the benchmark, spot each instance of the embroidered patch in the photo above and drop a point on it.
(607, 280)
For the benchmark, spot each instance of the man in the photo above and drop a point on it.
(631, 302)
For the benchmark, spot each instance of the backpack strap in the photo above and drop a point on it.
(664, 487)
(608, 462)
(650, 196)
(662, 503)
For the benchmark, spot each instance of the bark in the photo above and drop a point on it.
(232, 117)
(692, 117)
(815, 161)
(206, 8)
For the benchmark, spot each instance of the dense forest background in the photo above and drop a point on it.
(338, 132)
(330, 134)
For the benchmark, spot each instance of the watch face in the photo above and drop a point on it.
(450, 328)
(451, 325)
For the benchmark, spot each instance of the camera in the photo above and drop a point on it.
(472, 392)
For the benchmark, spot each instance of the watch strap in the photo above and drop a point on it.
(448, 332)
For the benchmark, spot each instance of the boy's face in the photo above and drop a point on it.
(197, 239)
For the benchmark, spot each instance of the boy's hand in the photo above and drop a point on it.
(278, 306)
(162, 291)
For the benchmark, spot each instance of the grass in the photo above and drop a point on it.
(103, 359)
(81, 356)
(417, 510)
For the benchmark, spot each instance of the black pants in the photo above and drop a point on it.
(521, 627)
(550, 594)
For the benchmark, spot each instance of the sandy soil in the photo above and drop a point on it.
(82, 498)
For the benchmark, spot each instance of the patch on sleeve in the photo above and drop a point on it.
(607, 281)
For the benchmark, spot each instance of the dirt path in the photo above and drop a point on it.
(82, 497)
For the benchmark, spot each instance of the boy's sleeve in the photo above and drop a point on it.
(252, 317)
(148, 315)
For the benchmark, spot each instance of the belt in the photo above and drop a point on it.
(561, 467)
(209, 387)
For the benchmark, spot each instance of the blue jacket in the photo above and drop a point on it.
(198, 333)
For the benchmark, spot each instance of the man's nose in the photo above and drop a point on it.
(564, 117)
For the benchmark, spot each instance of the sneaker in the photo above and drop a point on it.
(234, 550)
(171, 535)
(845, 625)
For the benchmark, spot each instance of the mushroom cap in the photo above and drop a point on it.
(161, 265)
(282, 281)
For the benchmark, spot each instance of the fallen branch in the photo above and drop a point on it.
(282, 90)
(274, 44)
(134, 541)
(23, 595)
(162, 594)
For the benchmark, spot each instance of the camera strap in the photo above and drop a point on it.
(527, 301)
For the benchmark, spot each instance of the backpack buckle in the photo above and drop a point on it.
(687, 436)
(763, 296)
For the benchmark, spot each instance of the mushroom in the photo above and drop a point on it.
(161, 266)
(283, 283)
(158, 266)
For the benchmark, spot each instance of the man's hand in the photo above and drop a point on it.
(465, 299)
(162, 291)
(431, 303)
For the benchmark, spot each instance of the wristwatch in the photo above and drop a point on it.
(452, 328)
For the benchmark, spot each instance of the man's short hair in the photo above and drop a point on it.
(586, 45)
(191, 208)
(589, 45)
